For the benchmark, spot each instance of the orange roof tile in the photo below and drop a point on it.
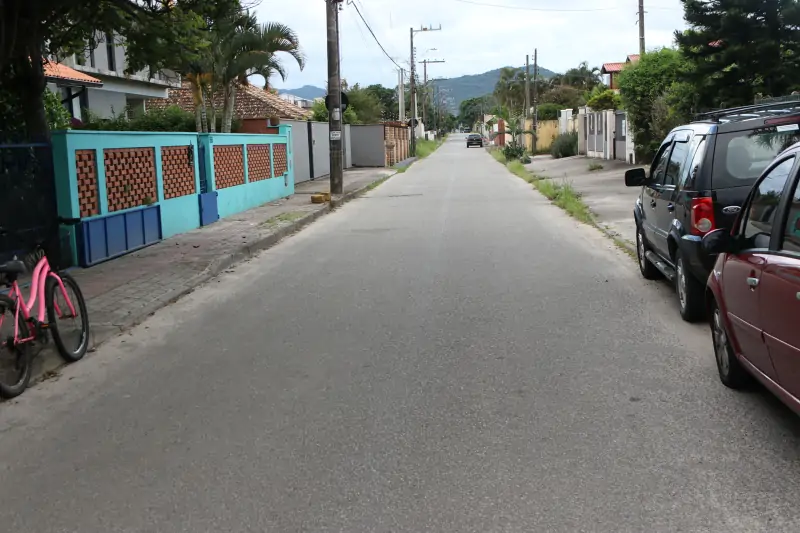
(56, 71)
(251, 102)
(609, 68)
(633, 58)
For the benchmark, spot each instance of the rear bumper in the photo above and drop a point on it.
(474, 143)
(699, 262)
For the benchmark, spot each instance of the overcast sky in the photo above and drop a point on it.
(476, 36)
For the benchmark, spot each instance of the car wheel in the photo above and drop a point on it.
(648, 269)
(690, 291)
(731, 372)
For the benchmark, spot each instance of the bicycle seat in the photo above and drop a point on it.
(12, 267)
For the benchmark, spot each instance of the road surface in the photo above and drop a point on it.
(449, 353)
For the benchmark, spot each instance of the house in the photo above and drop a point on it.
(304, 103)
(612, 70)
(117, 92)
(253, 106)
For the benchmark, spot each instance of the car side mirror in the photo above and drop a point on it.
(635, 177)
(719, 241)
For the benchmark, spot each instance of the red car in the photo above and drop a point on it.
(753, 292)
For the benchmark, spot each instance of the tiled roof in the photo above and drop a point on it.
(56, 71)
(609, 68)
(715, 44)
(251, 102)
(633, 58)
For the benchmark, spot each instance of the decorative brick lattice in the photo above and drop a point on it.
(130, 177)
(86, 168)
(279, 159)
(258, 162)
(228, 166)
(177, 165)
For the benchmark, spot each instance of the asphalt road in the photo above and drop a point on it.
(449, 353)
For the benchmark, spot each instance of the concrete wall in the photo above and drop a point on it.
(368, 145)
(320, 147)
(130, 189)
(348, 146)
(548, 131)
(302, 163)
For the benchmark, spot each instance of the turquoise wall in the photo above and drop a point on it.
(177, 215)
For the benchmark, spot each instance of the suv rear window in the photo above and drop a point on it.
(741, 156)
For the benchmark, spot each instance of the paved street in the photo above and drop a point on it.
(449, 353)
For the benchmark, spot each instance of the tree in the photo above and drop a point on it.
(581, 76)
(388, 100)
(31, 31)
(320, 113)
(736, 49)
(366, 106)
(604, 99)
(656, 74)
(473, 109)
(510, 88)
(548, 111)
(565, 96)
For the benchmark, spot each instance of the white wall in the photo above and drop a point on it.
(106, 104)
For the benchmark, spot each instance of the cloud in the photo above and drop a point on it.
(474, 38)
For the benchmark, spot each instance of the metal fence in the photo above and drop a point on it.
(28, 211)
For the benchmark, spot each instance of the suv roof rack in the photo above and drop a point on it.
(736, 114)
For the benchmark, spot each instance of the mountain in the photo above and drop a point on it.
(475, 85)
(459, 89)
(309, 92)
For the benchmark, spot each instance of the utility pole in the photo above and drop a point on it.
(527, 85)
(413, 82)
(425, 63)
(641, 27)
(401, 97)
(535, 97)
(335, 97)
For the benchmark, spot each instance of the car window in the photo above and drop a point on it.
(677, 161)
(660, 165)
(790, 240)
(698, 147)
(764, 201)
(741, 156)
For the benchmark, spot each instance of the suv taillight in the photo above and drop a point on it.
(702, 216)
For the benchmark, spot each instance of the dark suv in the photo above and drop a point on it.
(699, 178)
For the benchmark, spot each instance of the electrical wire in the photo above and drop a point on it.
(373, 35)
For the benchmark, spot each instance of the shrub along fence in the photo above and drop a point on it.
(132, 189)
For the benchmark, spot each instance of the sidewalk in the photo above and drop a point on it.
(604, 191)
(123, 292)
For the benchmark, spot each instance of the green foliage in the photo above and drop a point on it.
(564, 96)
(656, 74)
(365, 104)
(565, 145)
(320, 113)
(738, 49)
(471, 111)
(549, 111)
(513, 151)
(606, 99)
(172, 118)
(58, 118)
(388, 101)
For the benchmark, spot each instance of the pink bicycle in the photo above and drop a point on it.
(49, 293)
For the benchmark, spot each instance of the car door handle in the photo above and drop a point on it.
(670, 207)
(753, 282)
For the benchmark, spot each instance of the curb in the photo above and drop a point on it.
(49, 363)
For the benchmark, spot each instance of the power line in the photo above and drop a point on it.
(544, 9)
(373, 35)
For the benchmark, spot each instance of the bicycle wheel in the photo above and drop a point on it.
(15, 362)
(72, 347)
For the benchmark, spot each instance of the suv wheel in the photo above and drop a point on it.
(648, 269)
(690, 291)
(731, 372)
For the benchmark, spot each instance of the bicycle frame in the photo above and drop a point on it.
(38, 283)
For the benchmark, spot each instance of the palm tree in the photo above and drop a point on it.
(200, 79)
(244, 48)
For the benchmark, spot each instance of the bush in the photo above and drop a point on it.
(513, 151)
(172, 118)
(565, 145)
(549, 111)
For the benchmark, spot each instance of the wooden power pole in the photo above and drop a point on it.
(641, 27)
(334, 98)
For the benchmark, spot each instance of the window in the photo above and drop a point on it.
(660, 165)
(764, 204)
(112, 63)
(80, 58)
(690, 171)
(740, 157)
(791, 232)
(677, 161)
